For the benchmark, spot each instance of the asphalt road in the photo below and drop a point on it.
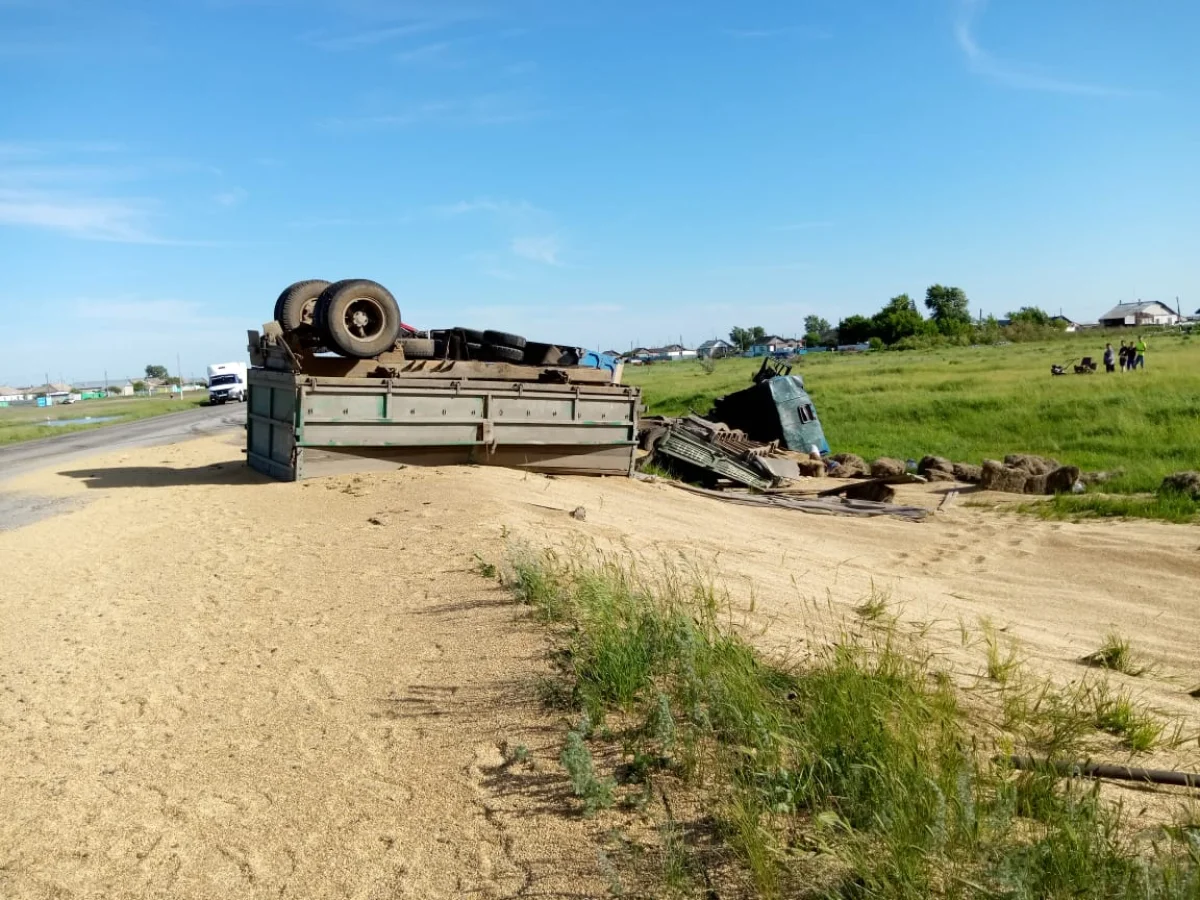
(156, 431)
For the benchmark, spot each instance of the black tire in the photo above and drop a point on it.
(472, 336)
(505, 354)
(358, 318)
(297, 304)
(537, 354)
(475, 350)
(419, 348)
(504, 339)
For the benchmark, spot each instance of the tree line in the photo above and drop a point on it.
(901, 324)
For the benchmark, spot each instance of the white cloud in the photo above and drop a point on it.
(96, 219)
(538, 248)
(231, 197)
(1016, 75)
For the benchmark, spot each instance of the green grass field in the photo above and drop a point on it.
(973, 403)
(28, 423)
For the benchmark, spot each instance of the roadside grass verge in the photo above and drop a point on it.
(28, 423)
(1167, 506)
(855, 772)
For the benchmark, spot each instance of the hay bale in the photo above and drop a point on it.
(967, 473)
(811, 468)
(885, 466)
(996, 476)
(872, 490)
(1060, 481)
(935, 464)
(1187, 483)
(850, 465)
(1034, 465)
(939, 475)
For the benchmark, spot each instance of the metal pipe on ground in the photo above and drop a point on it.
(1103, 770)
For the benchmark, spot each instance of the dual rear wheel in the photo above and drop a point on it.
(356, 317)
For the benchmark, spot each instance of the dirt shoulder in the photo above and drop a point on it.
(215, 685)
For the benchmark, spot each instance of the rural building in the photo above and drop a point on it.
(715, 349)
(10, 394)
(1065, 323)
(54, 389)
(773, 345)
(1139, 314)
(672, 351)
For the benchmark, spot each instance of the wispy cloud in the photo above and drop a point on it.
(478, 111)
(1012, 74)
(57, 187)
(538, 248)
(231, 197)
(501, 206)
(425, 54)
(752, 34)
(90, 218)
(375, 36)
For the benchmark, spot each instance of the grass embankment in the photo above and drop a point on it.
(973, 403)
(852, 774)
(28, 423)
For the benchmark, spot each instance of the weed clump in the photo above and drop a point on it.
(1117, 654)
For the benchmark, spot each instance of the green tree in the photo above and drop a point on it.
(855, 330)
(156, 372)
(139, 387)
(899, 319)
(948, 308)
(816, 325)
(745, 338)
(813, 339)
(1031, 315)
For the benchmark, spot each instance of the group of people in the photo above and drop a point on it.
(1132, 355)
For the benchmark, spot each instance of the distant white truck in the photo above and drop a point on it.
(227, 381)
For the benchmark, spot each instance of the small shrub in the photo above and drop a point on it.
(485, 568)
(596, 793)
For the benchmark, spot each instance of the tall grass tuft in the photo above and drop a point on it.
(852, 775)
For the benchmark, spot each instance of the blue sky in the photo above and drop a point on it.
(591, 173)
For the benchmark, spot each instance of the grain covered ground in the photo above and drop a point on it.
(213, 685)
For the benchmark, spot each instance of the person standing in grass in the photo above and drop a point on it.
(1109, 357)
(1123, 356)
(1139, 361)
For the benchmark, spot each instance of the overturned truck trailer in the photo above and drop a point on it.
(323, 416)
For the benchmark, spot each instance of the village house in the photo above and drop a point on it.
(1139, 314)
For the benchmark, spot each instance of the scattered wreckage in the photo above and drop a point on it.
(339, 383)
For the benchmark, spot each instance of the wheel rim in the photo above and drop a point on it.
(364, 318)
